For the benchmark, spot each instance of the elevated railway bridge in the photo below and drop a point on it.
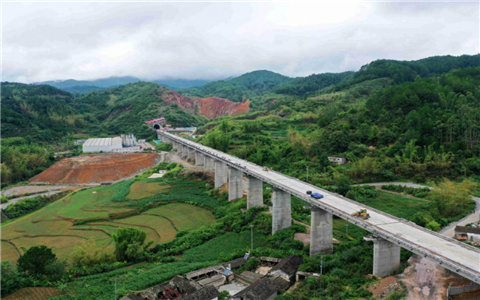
(389, 233)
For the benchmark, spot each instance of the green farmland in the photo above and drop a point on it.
(159, 207)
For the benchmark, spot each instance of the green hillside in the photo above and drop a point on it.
(43, 113)
(420, 130)
(246, 86)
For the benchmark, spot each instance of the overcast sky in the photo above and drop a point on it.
(46, 41)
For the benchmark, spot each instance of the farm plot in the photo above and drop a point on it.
(96, 213)
(35, 293)
(143, 189)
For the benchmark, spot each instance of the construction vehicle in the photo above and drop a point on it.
(362, 213)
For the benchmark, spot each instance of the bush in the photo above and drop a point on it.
(40, 262)
(130, 244)
(11, 280)
(89, 255)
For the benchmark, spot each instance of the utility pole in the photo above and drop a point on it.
(251, 237)
(321, 270)
(346, 230)
(307, 174)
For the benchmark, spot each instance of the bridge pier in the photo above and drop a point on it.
(199, 159)
(235, 189)
(209, 163)
(191, 154)
(255, 192)
(221, 175)
(281, 210)
(321, 234)
(386, 256)
(184, 152)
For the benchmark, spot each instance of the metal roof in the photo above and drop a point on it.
(103, 142)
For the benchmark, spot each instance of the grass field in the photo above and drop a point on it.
(96, 213)
(397, 205)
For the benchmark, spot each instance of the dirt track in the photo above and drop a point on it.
(96, 168)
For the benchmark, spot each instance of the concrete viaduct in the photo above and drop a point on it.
(389, 233)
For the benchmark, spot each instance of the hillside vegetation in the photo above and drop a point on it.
(246, 86)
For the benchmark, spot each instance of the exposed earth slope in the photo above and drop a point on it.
(96, 168)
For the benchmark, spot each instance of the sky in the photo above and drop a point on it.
(215, 40)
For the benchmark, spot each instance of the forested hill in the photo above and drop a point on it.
(39, 111)
(85, 86)
(420, 130)
(403, 71)
(42, 113)
(246, 86)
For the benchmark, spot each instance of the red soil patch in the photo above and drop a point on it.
(213, 107)
(96, 168)
(210, 107)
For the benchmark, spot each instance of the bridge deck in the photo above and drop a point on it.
(453, 255)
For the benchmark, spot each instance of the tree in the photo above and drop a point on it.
(39, 261)
(130, 244)
(35, 260)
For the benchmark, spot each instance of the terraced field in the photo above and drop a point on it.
(154, 206)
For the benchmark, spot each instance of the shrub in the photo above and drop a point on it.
(11, 280)
(130, 244)
(40, 262)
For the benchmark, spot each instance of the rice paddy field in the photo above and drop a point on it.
(159, 207)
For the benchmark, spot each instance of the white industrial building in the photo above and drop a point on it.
(102, 144)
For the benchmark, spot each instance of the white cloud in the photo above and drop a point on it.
(44, 41)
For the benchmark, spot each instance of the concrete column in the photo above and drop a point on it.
(281, 210)
(184, 152)
(199, 159)
(321, 234)
(221, 174)
(255, 192)
(235, 188)
(191, 153)
(386, 256)
(209, 163)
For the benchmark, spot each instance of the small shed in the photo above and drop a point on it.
(287, 268)
(338, 160)
(469, 233)
(259, 290)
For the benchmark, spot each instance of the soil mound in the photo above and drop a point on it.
(96, 168)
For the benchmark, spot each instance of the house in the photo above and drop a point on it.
(338, 160)
(206, 293)
(471, 234)
(259, 290)
(287, 268)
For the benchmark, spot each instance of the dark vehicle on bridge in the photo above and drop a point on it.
(315, 195)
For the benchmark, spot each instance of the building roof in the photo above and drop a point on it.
(103, 142)
(132, 297)
(289, 265)
(259, 290)
(465, 229)
(207, 293)
(279, 284)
